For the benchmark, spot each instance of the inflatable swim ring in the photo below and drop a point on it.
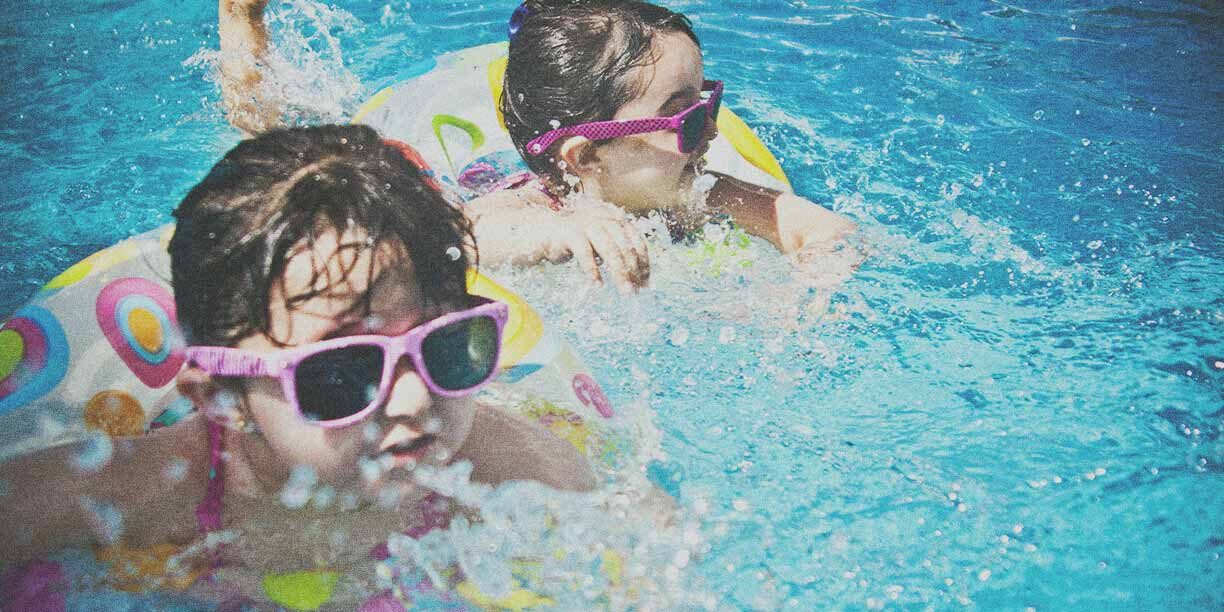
(96, 351)
(463, 135)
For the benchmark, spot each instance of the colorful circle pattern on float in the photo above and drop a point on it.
(33, 356)
(137, 316)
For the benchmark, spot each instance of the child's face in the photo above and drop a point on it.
(647, 171)
(413, 426)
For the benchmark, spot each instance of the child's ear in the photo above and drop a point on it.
(579, 154)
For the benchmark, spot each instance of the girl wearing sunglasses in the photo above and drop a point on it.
(332, 346)
(609, 99)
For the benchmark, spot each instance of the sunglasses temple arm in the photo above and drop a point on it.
(223, 361)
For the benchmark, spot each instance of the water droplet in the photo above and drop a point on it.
(726, 335)
(104, 519)
(94, 453)
(176, 470)
(323, 497)
(298, 488)
(433, 426)
(371, 432)
(679, 336)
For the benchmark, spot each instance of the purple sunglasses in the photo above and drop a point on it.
(688, 123)
(341, 381)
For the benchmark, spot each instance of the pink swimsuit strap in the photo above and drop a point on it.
(521, 179)
(208, 512)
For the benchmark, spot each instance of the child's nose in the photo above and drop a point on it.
(408, 396)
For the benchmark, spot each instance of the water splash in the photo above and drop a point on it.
(304, 72)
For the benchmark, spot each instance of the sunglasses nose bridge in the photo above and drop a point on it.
(400, 348)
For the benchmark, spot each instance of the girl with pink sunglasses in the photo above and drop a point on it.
(320, 283)
(609, 99)
(604, 98)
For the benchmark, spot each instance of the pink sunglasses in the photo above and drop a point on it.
(341, 381)
(689, 124)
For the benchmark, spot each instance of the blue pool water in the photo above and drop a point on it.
(1016, 403)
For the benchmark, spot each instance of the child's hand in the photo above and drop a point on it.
(592, 236)
(825, 265)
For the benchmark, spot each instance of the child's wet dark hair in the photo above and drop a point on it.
(570, 62)
(279, 192)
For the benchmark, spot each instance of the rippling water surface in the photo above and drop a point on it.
(1016, 403)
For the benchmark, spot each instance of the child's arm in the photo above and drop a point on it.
(517, 227)
(244, 41)
(504, 447)
(814, 235)
(145, 494)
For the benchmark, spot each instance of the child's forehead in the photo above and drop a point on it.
(675, 64)
(347, 267)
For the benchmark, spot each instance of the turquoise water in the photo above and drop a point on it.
(1016, 403)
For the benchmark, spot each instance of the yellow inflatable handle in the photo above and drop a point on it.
(523, 329)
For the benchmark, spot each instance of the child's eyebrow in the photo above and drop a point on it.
(683, 95)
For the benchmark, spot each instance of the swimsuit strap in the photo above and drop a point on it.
(208, 512)
(521, 179)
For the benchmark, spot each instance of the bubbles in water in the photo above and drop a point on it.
(679, 336)
(433, 425)
(1037, 115)
(371, 431)
(94, 453)
(51, 427)
(703, 183)
(323, 497)
(176, 470)
(104, 519)
(297, 490)
(370, 469)
(726, 335)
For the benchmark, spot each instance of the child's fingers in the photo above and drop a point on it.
(584, 253)
(631, 249)
(641, 255)
(616, 261)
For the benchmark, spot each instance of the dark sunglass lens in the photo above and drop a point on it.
(461, 355)
(338, 383)
(691, 130)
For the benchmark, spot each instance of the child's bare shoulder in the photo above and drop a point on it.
(503, 446)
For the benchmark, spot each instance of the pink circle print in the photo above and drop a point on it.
(137, 317)
(591, 394)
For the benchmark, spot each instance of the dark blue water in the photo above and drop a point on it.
(1016, 403)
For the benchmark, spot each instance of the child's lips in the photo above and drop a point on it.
(409, 451)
